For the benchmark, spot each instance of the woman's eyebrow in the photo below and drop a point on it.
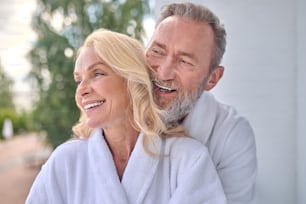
(95, 64)
(91, 67)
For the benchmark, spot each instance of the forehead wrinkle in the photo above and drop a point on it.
(89, 68)
(178, 53)
(159, 44)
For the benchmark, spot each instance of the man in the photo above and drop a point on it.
(185, 53)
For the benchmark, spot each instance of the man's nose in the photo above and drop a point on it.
(166, 69)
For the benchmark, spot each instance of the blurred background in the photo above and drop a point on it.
(264, 74)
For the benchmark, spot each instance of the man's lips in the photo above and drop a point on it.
(163, 88)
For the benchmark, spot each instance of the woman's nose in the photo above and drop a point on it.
(83, 88)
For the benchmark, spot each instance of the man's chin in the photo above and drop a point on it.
(164, 104)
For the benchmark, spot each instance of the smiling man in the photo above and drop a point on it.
(185, 53)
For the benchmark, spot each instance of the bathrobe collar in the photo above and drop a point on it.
(205, 108)
(134, 184)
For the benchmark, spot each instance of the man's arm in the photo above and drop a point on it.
(237, 166)
(231, 143)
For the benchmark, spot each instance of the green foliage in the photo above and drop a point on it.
(7, 108)
(61, 26)
(6, 97)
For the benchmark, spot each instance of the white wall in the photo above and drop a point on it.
(263, 80)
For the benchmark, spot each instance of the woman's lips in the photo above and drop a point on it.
(94, 104)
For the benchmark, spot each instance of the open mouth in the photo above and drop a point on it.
(163, 88)
(93, 105)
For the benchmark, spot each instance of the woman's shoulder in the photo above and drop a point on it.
(69, 151)
(71, 146)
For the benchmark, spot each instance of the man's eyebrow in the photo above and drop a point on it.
(181, 53)
(155, 43)
(187, 54)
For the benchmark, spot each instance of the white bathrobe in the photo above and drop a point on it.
(231, 144)
(83, 172)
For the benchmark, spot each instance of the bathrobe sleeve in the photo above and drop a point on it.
(197, 179)
(46, 188)
(37, 193)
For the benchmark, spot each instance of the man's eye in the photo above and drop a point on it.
(185, 62)
(156, 52)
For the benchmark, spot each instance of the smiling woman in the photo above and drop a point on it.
(101, 93)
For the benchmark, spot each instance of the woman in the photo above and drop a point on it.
(126, 154)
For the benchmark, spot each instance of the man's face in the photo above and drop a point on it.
(179, 54)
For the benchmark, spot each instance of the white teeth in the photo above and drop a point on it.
(163, 87)
(88, 106)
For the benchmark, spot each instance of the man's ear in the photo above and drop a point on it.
(214, 78)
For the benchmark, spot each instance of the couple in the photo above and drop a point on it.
(134, 151)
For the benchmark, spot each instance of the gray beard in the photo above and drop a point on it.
(177, 110)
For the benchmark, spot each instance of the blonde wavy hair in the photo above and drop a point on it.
(126, 57)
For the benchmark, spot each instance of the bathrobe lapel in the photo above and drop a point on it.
(104, 172)
(197, 128)
(140, 171)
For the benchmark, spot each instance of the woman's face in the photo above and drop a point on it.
(100, 93)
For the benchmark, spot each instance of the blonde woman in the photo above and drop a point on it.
(125, 153)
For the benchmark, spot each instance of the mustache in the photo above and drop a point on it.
(171, 84)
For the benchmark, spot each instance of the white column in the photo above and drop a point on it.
(301, 102)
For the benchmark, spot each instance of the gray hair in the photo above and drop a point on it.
(199, 13)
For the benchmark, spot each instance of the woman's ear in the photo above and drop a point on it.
(214, 78)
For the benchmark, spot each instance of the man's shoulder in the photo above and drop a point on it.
(228, 115)
(229, 121)
(213, 120)
(219, 110)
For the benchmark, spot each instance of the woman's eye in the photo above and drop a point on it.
(97, 74)
(77, 82)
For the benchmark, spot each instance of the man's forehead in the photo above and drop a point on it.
(167, 24)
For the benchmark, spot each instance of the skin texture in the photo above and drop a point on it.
(106, 91)
(179, 54)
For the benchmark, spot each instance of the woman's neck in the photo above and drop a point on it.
(121, 142)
